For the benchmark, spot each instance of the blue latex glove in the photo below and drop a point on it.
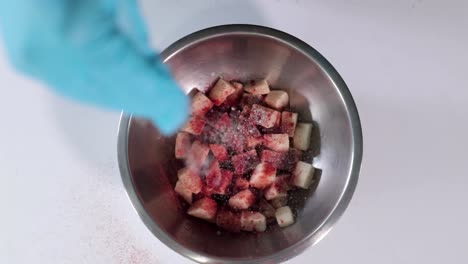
(94, 51)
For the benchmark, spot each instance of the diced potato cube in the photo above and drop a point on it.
(245, 162)
(302, 136)
(284, 216)
(279, 188)
(188, 183)
(204, 208)
(201, 104)
(197, 155)
(194, 126)
(277, 99)
(182, 145)
(253, 221)
(220, 92)
(263, 175)
(234, 98)
(288, 123)
(303, 175)
(264, 116)
(250, 99)
(252, 142)
(260, 87)
(217, 179)
(219, 151)
(279, 201)
(242, 200)
(241, 183)
(276, 142)
(229, 220)
(266, 209)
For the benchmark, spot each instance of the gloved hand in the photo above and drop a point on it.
(94, 51)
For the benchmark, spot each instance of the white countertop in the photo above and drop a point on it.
(405, 62)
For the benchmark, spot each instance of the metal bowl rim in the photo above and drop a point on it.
(347, 193)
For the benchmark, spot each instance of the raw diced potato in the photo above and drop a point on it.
(220, 92)
(302, 136)
(279, 188)
(197, 155)
(219, 151)
(229, 220)
(201, 104)
(288, 123)
(277, 99)
(284, 216)
(303, 175)
(264, 116)
(182, 145)
(260, 87)
(250, 99)
(263, 175)
(252, 142)
(253, 221)
(234, 98)
(217, 179)
(242, 200)
(194, 126)
(188, 183)
(241, 183)
(279, 201)
(266, 209)
(204, 208)
(276, 142)
(223, 122)
(245, 162)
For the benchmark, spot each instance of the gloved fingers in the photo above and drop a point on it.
(136, 83)
(130, 21)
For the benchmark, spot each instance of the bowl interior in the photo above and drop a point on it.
(313, 93)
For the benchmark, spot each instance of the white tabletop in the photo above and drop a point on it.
(405, 62)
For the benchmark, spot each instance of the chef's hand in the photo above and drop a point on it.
(94, 51)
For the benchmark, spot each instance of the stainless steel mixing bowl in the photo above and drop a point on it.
(245, 52)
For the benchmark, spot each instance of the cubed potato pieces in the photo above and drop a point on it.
(266, 209)
(245, 162)
(284, 216)
(302, 136)
(263, 175)
(279, 188)
(279, 201)
(197, 155)
(220, 92)
(223, 122)
(253, 221)
(204, 208)
(219, 151)
(241, 183)
(264, 116)
(182, 145)
(217, 179)
(234, 98)
(260, 87)
(201, 104)
(229, 220)
(303, 175)
(252, 142)
(277, 99)
(188, 183)
(250, 99)
(194, 126)
(288, 123)
(242, 200)
(276, 142)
